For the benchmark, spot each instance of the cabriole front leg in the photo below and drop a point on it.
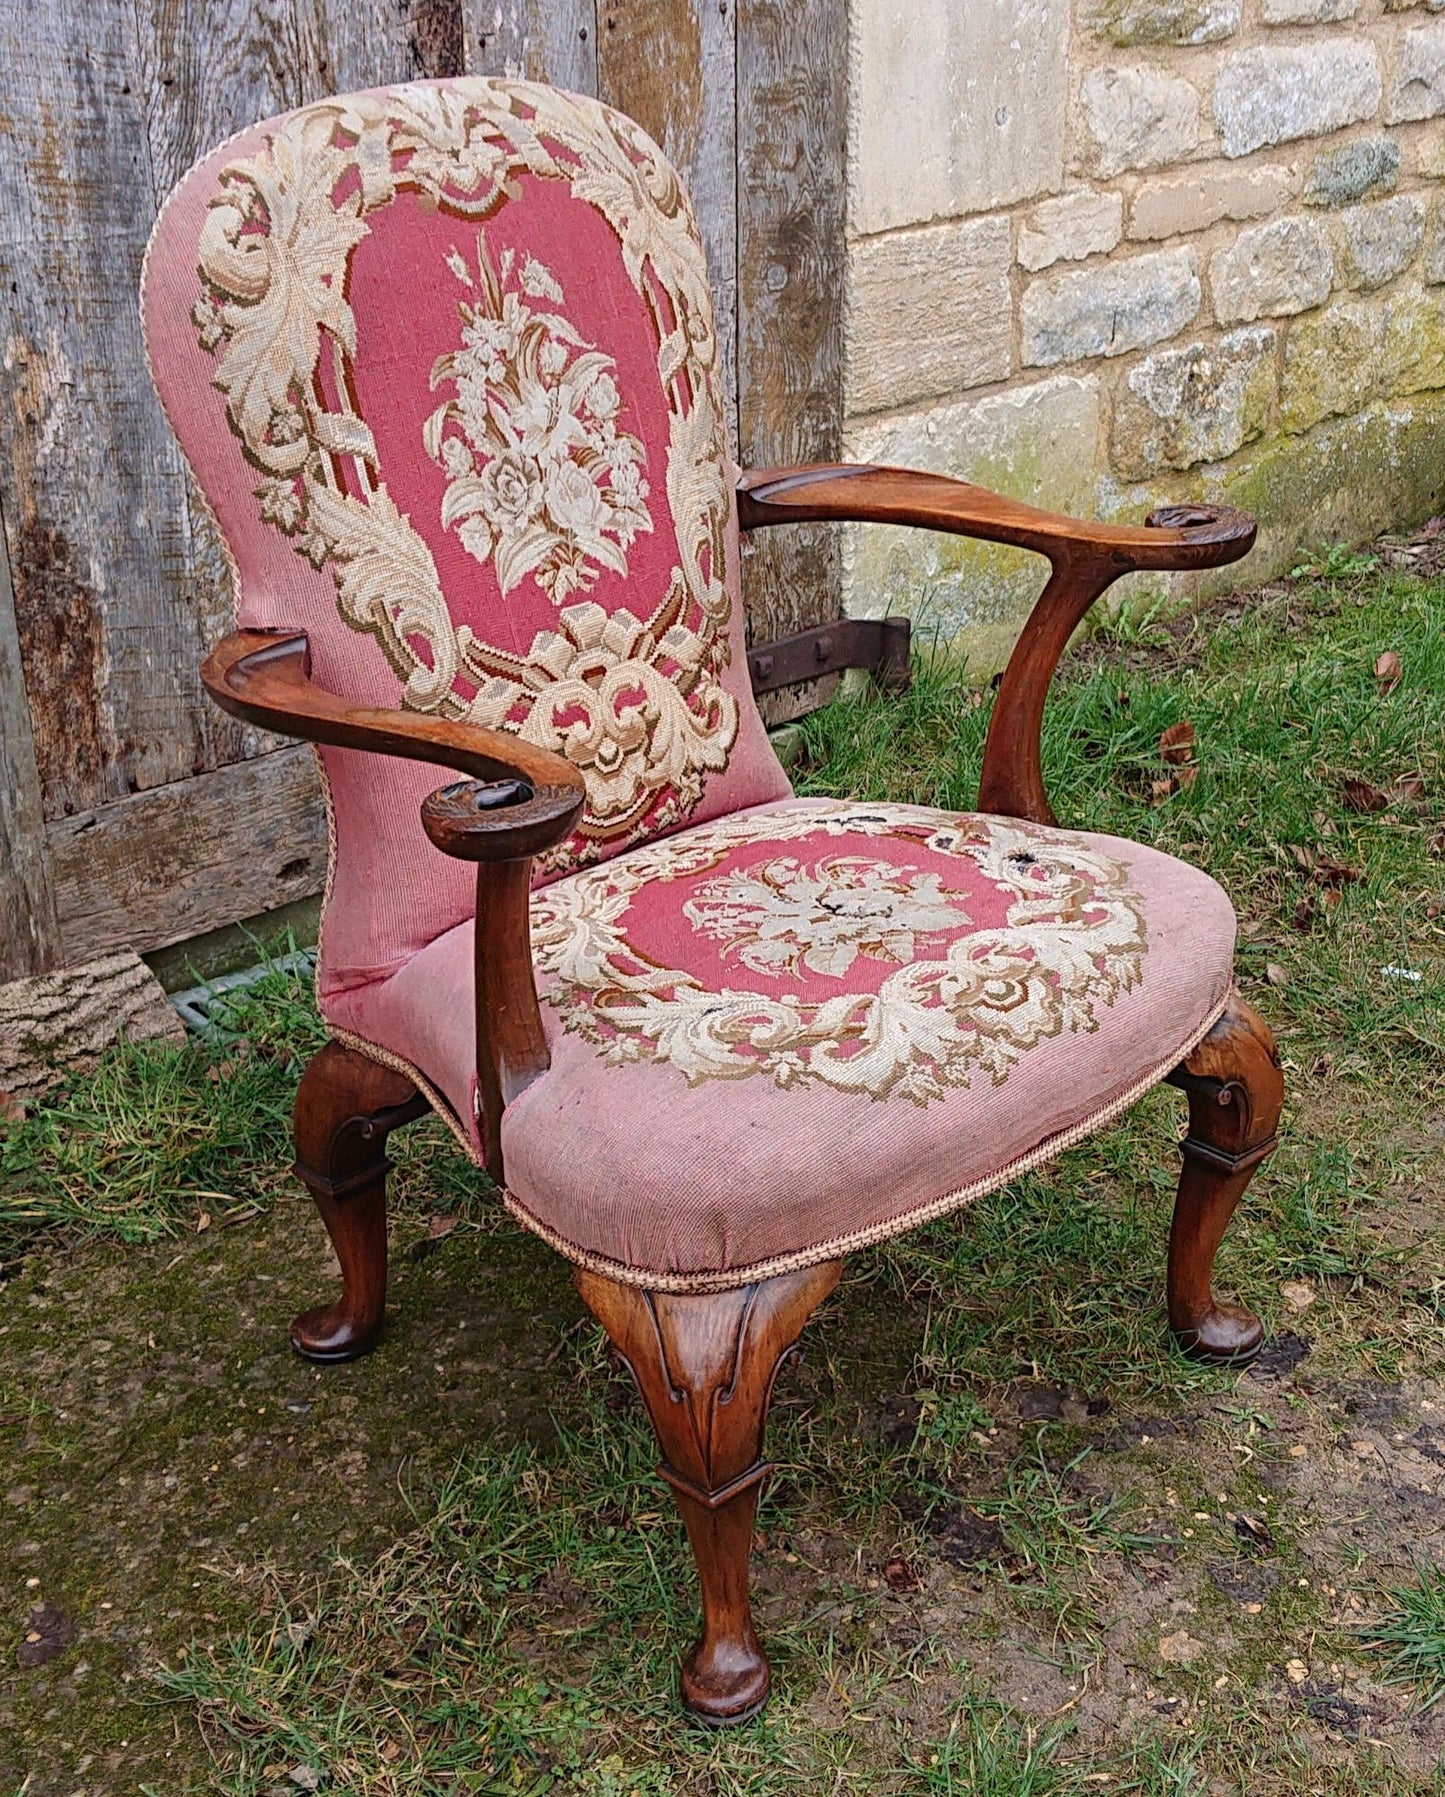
(346, 1106)
(705, 1366)
(1235, 1090)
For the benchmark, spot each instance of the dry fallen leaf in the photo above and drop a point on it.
(1360, 795)
(899, 1575)
(1408, 786)
(1275, 974)
(1304, 914)
(203, 1222)
(1298, 1295)
(1176, 744)
(1180, 1647)
(440, 1226)
(1330, 872)
(1388, 671)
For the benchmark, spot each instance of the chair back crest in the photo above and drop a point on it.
(443, 360)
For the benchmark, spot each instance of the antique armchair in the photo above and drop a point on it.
(442, 360)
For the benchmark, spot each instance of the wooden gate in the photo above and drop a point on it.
(132, 812)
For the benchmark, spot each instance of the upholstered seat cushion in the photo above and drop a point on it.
(814, 1024)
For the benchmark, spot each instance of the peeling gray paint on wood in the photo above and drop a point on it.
(545, 40)
(162, 866)
(29, 929)
(791, 121)
(131, 804)
(95, 493)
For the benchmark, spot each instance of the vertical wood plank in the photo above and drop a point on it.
(206, 69)
(29, 930)
(545, 40)
(342, 47)
(792, 72)
(96, 515)
(672, 66)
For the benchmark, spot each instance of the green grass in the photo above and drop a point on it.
(162, 1136)
(1413, 1633)
(522, 1637)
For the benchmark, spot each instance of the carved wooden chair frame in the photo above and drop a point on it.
(706, 1364)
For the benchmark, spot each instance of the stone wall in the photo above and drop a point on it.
(1130, 251)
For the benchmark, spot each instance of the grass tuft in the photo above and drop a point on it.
(1413, 1630)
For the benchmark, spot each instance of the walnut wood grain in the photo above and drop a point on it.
(1085, 559)
(501, 826)
(1235, 1089)
(264, 677)
(346, 1106)
(706, 1367)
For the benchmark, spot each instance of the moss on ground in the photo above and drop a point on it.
(1017, 1546)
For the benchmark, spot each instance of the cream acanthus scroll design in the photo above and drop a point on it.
(636, 702)
(956, 998)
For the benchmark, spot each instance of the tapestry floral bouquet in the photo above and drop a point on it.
(542, 480)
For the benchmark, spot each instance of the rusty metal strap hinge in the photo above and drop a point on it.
(878, 644)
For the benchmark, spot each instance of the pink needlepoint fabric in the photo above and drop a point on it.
(442, 358)
(813, 1024)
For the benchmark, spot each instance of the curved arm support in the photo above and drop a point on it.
(470, 820)
(521, 799)
(1085, 559)
(264, 677)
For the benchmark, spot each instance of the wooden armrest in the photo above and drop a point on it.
(1085, 560)
(1200, 536)
(264, 677)
(520, 800)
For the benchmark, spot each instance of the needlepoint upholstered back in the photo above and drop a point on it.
(443, 361)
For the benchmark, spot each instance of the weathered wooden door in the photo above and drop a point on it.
(132, 812)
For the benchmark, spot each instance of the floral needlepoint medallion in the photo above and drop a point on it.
(876, 949)
(564, 430)
(542, 479)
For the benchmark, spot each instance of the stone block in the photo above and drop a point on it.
(1426, 156)
(1035, 443)
(1347, 172)
(1342, 482)
(955, 109)
(1070, 228)
(1373, 243)
(1331, 363)
(1271, 271)
(1180, 407)
(1174, 205)
(1432, 263)
(1138, 118)
(1110, 310)
(929, 312)
(1417, 81)
(1274, 94)
(1126, 22)
(1414, 354)
(1307, 12)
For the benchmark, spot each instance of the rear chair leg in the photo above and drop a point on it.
(705, 1366)
(1235, 1090)
(346, 1106)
